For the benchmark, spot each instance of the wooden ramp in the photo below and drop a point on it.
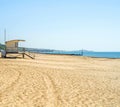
(30, 55)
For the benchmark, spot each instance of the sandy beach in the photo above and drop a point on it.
(59, 81)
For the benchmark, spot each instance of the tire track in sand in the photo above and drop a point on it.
(50, 91)
(13, 83)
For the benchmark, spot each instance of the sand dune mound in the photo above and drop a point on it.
(60, 81)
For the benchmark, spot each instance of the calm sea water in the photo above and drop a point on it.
(103, 54)
(90, 54)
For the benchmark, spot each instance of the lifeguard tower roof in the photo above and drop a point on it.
(17, 40)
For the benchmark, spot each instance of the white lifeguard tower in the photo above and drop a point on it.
(12, 47)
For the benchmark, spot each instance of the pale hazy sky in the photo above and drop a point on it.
(62, 24)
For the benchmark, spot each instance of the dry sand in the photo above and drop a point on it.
(60, 81)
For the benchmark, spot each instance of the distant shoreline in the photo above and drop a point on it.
(74, 55)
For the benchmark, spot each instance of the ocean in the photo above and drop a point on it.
(102, 54)
(89, 54)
